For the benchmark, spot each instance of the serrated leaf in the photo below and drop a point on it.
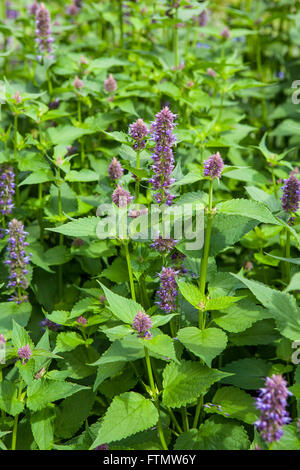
(42, 427)
(236, 403)
(72, 412)
(40, 393)
(132, 412)
(83, 227)
(281, 304)
(183, 383)
(214, 435)
(162, 345)
(67, 341)
(239, 317)
(9, 398)
(122, 308)
(206, 344)
(252, 209)
(249, 373)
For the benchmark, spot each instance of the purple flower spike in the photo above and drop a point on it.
(43, 30)
(81, 320)
(213, 167)
(115, 170)
(163, 245)
(7, 189)
(138, 131)
(17, 261)
(10, 13)
(110, 84)
(50, 325)
(291, 194)
(168, 289)
(142, 323)
(2, 339)
(272, 403)
(74, 8)
(33, 8)
(121, 197)
(162, 134)
(24, 353)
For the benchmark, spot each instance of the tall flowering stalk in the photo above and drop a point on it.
(17, 261)
(168, 289)
(7, 189)
(43, 31)
(272, 403)
(290, 204)
(213, 168)
(162, 133)
(138, 132)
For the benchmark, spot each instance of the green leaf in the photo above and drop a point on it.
(107, 370)
(72, 412)
(126, 349)
(117, 272)
(83, 227)
(40, 176)
(253, 209)
(9, 398)
(40, 393)
(237, 403)
(213, 435)
(206, 344)
(20, 337)
(84, 175)
(183, 383)
(161, 345)
(249, 374)
(66, 134)
(132, 412)
(220, 303)
(68, 341)
(228, 229)
(263, 332)
(294, 283)
(289, 440)
(191, 293)
(281, 304)
(42, 427)
(239, 317)
(10, 311)
(122, 308)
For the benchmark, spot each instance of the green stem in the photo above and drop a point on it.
(202, 281)
(16, 159)
(121, 23)
(50, 89)
(40, 212)
(185, 420)
(15, 427)
(79, 117)
(131, 282)
(61, 242)
(204, 260)
(137, 183)
(176, 39)
(288, 254)
(155, 397)
(175, 421)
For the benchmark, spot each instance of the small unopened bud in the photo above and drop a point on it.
(78, 84)
(110, 84)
